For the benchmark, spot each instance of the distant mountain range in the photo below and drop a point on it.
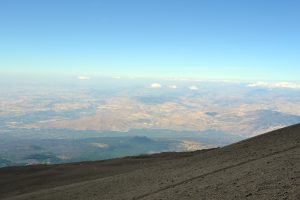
(27, 147)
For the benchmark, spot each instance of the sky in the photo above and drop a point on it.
(215, 39)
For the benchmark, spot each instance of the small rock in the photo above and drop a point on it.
(248, 195)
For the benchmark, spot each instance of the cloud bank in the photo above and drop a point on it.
(271, 85)
(193, 87)
(84, 78)
(155, 85)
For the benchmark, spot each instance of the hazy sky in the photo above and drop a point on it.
(232, 39)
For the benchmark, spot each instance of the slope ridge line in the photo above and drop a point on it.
(210, 173)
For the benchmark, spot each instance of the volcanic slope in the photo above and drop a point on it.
(263, 167)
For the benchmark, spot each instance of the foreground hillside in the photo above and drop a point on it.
(263, 167)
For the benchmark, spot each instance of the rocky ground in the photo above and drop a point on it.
(264, 167)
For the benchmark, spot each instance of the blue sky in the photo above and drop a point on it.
(213, 39)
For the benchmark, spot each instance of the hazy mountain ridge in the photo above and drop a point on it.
(24, 147)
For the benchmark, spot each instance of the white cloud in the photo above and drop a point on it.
(84, 78)
(155, 85)
(289, 85)
(173, 86)
(193, 87)
(100, 145)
